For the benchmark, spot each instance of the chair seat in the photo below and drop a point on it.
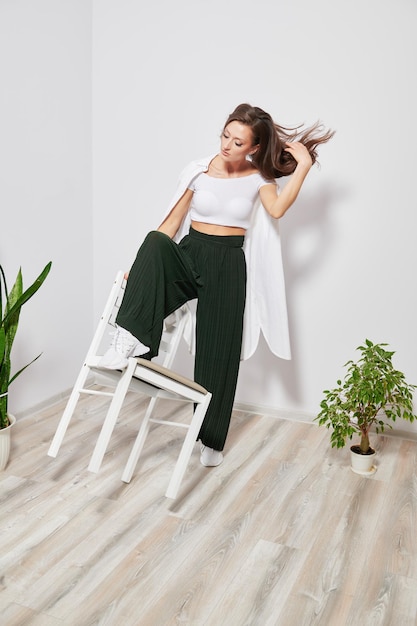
(160, 369)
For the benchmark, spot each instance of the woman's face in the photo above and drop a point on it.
(236, 142)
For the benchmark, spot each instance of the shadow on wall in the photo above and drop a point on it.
(309, 236)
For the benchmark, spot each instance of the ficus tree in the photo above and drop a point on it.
(372, 394)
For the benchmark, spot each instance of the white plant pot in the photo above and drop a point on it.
(362, 463)
(5, 434)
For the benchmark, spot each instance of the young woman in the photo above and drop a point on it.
(224, 217)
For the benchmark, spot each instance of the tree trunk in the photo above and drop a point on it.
(364, 445)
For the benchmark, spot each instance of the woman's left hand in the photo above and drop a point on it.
(300, 153)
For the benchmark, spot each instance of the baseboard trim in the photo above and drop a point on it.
(45, 404)
(288, 414)
(305, 417)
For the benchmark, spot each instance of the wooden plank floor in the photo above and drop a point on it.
(282, 533)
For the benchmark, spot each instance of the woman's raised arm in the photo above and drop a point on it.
(278, 205)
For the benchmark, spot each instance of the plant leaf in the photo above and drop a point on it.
(20, 298)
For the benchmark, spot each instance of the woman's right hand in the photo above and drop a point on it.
(300, 153)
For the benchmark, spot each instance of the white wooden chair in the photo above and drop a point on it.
(147, 377)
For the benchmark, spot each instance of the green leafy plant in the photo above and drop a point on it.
(11, 303)
(371, 393)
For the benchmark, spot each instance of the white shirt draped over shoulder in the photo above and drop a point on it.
(266, 307)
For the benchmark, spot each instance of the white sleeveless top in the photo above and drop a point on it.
(225, 201)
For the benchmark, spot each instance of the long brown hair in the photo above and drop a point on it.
(271, 159)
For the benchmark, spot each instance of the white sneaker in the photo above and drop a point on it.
(123, 346)
(210, 457)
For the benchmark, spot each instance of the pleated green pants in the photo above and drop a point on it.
(163, 277)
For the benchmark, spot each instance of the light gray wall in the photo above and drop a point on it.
(162, 78)
(165, 77)
(46, 186)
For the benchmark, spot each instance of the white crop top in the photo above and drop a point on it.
(225, 201)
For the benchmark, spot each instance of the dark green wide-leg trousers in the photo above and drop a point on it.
(163, 277)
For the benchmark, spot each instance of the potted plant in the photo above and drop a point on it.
(11, 303)
(371, 393)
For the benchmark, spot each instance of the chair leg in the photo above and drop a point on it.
(187, 448)
(68, 412)
(111, 417)
(139, 443)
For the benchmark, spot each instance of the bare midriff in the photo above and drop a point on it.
(215, 229)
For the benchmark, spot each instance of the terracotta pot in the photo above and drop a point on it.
(362, 463)
(5, 434)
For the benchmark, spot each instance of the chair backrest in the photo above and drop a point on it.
(107, 321)
(174, 326)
